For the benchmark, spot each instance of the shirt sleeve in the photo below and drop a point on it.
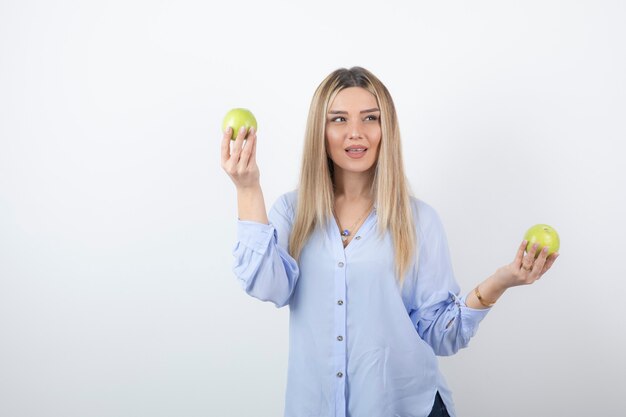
(262, 262)
(440, 315)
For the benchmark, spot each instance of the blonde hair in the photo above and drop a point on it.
(389, 186)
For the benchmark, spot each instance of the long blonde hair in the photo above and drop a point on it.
(389, 186)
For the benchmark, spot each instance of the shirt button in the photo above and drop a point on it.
(340, 338)
(358, 237)
(340, 302)
(340, 264)
(339, 374)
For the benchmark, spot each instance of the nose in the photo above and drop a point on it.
(354, 131)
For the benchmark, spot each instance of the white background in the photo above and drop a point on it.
(117, 222)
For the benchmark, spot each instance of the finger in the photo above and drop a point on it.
(549, 262)
(239, 143)
(253, 149)
(527, 262)
(247, 149)
(226, 145)
(540, 262)
(520, 253)
(534, 251)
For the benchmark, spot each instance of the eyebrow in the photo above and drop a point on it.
(345, 112)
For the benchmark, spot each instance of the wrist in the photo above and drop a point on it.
(498, 280)
(251, 205)
(481, 300)
(249, 189)
(485, 294)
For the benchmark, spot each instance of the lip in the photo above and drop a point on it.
(356, 155)
(356, 147)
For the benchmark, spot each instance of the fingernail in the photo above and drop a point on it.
(242, 129)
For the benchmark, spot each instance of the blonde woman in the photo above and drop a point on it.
(362, 264)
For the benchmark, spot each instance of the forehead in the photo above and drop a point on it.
(357, 98)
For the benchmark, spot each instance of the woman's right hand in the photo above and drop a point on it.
(240, 165)
(240, 162)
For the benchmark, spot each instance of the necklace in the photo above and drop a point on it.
(346, 232)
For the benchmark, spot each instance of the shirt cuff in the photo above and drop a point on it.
(471, 316)
(255, 235)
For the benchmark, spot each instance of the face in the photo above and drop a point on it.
(353, 130)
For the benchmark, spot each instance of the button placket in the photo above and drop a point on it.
(339, 326)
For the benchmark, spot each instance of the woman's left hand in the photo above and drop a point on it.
(526, 268)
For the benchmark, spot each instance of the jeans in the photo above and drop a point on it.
(439, 408)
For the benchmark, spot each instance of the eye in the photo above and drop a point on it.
(338, 119)
(371, 117)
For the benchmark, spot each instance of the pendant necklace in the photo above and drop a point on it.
(346, 232)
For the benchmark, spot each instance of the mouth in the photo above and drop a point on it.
(356, 151)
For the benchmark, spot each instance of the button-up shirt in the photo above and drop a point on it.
(360, 345)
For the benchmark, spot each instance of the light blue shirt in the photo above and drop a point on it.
(359, 346)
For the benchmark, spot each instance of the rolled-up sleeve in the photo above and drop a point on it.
(440, 315)
(262, 263)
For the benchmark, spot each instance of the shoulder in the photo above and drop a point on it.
(290, 199)
(426, 217)
(423, 211)
(286, 203)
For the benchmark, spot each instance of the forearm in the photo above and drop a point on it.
(251, 205)
(490, 291)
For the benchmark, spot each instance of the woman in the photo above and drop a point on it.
(363, 265)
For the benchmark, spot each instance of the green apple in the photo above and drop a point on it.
(543, 235)
(236, 118)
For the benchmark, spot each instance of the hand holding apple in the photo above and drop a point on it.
(535, 256)
(239, 156)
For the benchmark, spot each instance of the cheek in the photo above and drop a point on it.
(333, 142)
(375, 137)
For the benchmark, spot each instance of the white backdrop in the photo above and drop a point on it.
(117, 221)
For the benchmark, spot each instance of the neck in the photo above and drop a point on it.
(353, 186)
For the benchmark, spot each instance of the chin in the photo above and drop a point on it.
(362, 168)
